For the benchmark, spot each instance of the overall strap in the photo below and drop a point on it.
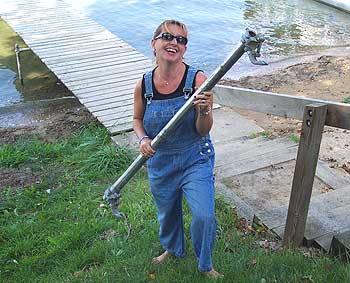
(191, 73)
(148, 85)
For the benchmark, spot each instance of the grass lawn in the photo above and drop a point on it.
(58, 229)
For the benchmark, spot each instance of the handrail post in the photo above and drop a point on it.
(309, 146)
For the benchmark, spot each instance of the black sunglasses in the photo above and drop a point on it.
(169, 37)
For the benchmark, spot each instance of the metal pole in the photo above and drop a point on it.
(18, 60)
(250, 42)
(17, 51)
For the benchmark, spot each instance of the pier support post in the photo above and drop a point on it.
(18, 61)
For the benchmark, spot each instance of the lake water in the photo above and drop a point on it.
(291, 28)
(8, 93)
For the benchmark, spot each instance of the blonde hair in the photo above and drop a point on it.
(165, 26)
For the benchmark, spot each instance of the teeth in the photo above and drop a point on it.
(171, 50)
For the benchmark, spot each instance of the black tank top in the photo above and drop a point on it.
(158, 96)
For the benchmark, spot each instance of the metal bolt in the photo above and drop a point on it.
(308, 123)
(310, 113)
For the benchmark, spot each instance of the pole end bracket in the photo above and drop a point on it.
(113, 199)
(252, 45)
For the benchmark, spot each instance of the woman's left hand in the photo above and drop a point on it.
(204, 101)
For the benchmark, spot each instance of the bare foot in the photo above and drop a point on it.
(160, 259)
(213, 274)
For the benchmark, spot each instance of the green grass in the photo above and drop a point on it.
(265, 134)
(295, 138)
(68, 234)
(346, 99)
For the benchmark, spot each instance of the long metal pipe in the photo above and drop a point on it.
(251, 43)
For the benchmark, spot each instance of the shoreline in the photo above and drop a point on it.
(280, 63)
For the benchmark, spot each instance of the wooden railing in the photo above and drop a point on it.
(315, 114)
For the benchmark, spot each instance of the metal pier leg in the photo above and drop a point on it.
(18, 50)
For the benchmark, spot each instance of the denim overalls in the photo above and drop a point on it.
(182, 165)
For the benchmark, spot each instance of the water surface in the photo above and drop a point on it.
(291, 27)
(8, 92)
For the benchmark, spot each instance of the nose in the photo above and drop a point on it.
(174, 39)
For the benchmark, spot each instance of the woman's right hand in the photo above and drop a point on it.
(146, 149)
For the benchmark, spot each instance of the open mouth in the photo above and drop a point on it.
(171, 50)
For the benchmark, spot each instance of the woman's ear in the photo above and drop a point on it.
(153, 45)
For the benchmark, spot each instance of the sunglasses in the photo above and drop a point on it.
(169, 37)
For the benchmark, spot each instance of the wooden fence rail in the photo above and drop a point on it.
(288, 106)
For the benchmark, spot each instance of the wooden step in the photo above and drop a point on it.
(243, 148)
(229, 125)
(328, 214)
(333, 177)
(341, 243)
(252, 155)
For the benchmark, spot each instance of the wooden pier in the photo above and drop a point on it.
(99, 68)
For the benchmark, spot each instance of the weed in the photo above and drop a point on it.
(266, 134)
(295, 138)
(346, 99)
(253, 135)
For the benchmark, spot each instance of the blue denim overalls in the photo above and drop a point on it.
(182, 165)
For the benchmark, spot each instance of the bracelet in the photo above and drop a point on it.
(142, 138)
(205, 113)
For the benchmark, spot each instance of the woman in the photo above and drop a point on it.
(183, 164)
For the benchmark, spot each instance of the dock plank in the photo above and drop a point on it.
(95, 54)
(108, 59)
(110, 100)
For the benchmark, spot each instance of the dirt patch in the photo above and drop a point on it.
(327, 78)
(48, 121)
(18, 178)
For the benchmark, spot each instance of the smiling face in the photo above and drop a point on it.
(170, 51)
